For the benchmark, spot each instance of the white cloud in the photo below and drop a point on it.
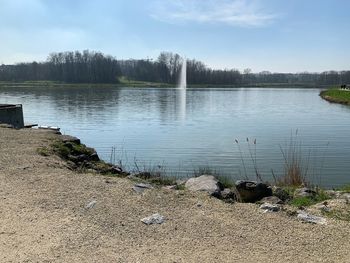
(244, 13)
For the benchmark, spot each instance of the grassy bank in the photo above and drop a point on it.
(336, 95)
(56, 84)
(123, 82)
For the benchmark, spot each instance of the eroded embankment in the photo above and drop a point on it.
(46, 216)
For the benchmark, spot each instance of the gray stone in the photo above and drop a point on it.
(206, 183)
(281, 193)
(180, 182)
(143, 175)
(91, 204)
(251, 191)
(333, 193)
(267, 207)
(71, 165)
(305, 217)
(228, 195)
(271, 200)
(68, 138)
(345, 196)
(141, 187)
(170, 187)
(94, 157)
(153, 219)
(323, 207)
(304, 192)
(115, 169)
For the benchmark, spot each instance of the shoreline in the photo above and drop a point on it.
(53, 213)
(327, 95)
(141, 84)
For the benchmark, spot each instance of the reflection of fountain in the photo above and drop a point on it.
(183, 75)
(182, 103)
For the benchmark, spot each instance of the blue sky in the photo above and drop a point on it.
(274, 35)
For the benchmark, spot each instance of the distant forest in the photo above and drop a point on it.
(95, 67)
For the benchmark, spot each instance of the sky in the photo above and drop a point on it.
(273, 35)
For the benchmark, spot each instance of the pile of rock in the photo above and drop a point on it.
(80, 157)
(211, 185)
(244, 191)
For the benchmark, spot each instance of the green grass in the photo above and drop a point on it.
(64, 150)
(336, 95)
(345, 188)
(157, 178)
(43, 151)
(206, 169)
(308, 201)
(225, 181)
(123, 81)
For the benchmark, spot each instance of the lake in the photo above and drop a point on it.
(180, 130)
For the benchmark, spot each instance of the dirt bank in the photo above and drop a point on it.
(43, 219)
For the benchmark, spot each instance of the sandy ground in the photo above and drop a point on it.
(43, 219)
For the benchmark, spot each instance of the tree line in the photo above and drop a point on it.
(96, 67)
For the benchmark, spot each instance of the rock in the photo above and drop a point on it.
(267, 207)
(340, 206)
(271, 200)
(78, 158)
(228, 195)
(82, 157)
(116, 169)
(281, 193)
(141, 187)
(170, 187)
(291, 211)
(91, 204)
(68, 138)
(206, 183)
(305, 217)
(143, 175)
(304, 192)
(94, 157)
(333, 193)
(251, 191)
(345, 196)
(323, 207)
(71, 165)
(72, 158)
(153, 219)
(180, 182)
(70, 145)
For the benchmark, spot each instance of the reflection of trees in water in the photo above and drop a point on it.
(79, 102)
(101, 103)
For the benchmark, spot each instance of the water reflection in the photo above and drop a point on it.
(181, 102)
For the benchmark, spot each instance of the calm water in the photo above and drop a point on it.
(184, 130)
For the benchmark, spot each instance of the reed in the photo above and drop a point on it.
(296, 165)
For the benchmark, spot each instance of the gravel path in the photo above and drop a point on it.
(43, 219)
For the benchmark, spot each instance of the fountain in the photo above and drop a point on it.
(183, 75)
(181, 94)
